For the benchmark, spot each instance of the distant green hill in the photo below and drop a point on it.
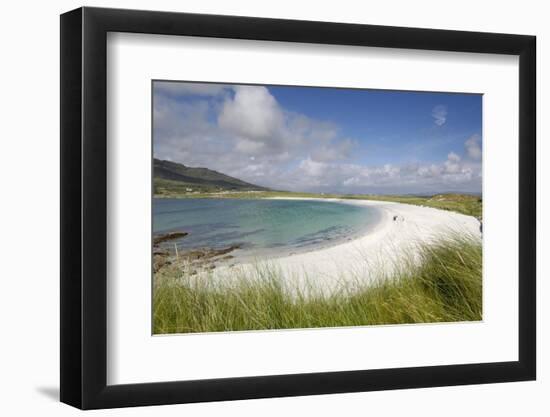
(173, 178)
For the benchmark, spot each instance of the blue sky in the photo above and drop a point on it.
(323, 139)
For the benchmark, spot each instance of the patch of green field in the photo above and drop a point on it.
(168, 188)
(461, 203)
(177, 189)
(446, 287)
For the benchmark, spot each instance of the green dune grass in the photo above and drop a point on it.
(446, 286)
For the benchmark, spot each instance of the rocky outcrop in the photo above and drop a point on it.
(194, 259)
(168, 236)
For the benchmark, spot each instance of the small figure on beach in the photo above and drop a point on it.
(397, 218)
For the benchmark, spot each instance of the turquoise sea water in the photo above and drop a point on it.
(260, 226)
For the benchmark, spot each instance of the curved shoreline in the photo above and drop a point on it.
(378, 253)
(287, 251)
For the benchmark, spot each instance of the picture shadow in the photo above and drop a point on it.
(49, 392)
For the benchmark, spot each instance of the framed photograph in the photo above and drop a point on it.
(257, 208)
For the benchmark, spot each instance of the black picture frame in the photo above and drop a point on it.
(84, 207)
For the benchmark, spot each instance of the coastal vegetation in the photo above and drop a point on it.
(436, 282)
(446, 286)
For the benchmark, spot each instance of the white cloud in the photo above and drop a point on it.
(451, 174)
(452, 165)
(244, 132)
(249, 146)
(242, 124)
(453, 157)
(253, 113)
(334, 151)
(473, 147)
(312, 168)
(439, 113)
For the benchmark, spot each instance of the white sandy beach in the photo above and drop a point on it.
(363, 259)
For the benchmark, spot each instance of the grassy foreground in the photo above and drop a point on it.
(447, 287)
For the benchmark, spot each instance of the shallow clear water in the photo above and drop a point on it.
(260, 226)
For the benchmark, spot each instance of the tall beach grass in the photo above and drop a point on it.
(445, 286)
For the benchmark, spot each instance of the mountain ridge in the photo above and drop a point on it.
(168, 174)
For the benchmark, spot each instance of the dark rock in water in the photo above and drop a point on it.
(208, 253)
(193, 255)
(223, 251)
(168, 236)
